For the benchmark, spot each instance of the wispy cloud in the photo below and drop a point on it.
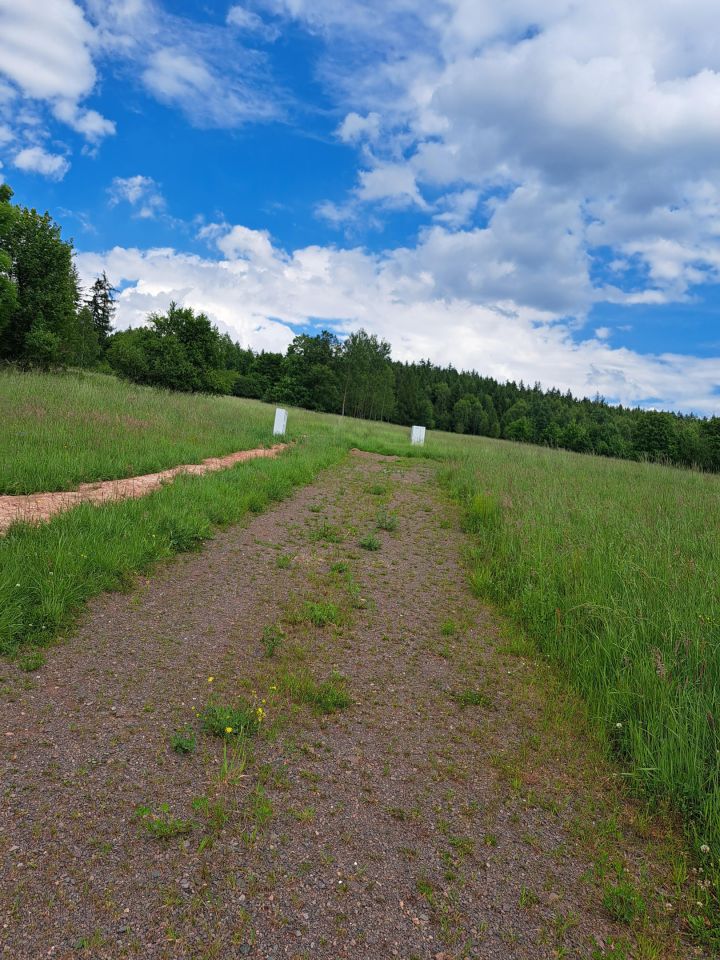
(142, 194)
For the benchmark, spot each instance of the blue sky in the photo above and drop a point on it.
(530, 189)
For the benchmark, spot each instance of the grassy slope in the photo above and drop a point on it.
(63, 430)
(59, 431)
(612, 566)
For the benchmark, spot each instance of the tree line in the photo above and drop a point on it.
(358, 377)
(47, 321)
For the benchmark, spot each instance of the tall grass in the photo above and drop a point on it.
(62, 430)
(614, 569)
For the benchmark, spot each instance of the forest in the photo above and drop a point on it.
(48, 322)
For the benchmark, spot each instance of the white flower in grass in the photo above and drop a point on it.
(704, 848)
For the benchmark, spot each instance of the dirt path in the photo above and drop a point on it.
(37, 507)
(449, 811)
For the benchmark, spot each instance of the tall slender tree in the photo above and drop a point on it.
(101, 304)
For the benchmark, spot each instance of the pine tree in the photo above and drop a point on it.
(101, 304)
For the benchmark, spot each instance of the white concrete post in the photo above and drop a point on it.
(280, 422)
(417, 436)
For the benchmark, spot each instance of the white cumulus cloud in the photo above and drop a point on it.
(262, 295)
(39, 160)
(46, 54)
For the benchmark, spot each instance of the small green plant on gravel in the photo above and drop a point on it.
(31, 661)
(528, 898)
(472, 698)
(320, 614)
(448, 628)
(162, 824)
(326, 532)
(183, 740)
(370, 542)
(623, 901)
(386, 520)
(615, 951)
(234, 762)
(93, 941)
(357, 600)
(239, 720)
(326, 696)
(274, 775)
(214, 810)
(283, 562)
(340, 566)
(425, 889)
(258, 811)
(272, 638)
(377, 489)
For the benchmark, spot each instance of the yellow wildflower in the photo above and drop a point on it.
(210, 679)
(228, 729)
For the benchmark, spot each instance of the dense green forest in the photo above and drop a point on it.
(47, 321)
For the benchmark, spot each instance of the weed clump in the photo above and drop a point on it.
(183, 740)
(320, 614)
(31, 661)
(370, 542)
(325, 531)
(272, 637)
(223, 720)
(326, 696)
(386, 520)
(162, 824)
(472, 698)
(623, 902)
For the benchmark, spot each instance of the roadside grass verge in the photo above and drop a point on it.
(612, 568)
(47, 572)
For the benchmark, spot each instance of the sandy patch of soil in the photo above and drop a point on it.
(38, 507)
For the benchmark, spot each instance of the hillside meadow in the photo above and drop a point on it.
(610, 568)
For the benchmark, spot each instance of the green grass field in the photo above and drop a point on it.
(60, 431)
(611, 567)
(63, 430)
